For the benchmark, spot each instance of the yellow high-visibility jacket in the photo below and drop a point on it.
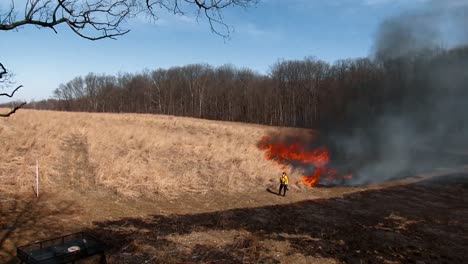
(284, 179)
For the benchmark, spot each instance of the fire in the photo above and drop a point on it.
(290, 153)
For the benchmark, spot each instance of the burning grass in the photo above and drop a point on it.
(297, 153)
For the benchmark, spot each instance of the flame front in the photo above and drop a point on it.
(284, 154)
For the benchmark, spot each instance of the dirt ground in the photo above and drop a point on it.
(414, 220)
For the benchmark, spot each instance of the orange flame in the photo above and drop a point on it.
(284, 153)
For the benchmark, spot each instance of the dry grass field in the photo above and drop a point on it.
(132, 155)
(162, 189)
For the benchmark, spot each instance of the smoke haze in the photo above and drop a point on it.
(423, 53)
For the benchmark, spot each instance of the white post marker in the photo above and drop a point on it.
(37, 179)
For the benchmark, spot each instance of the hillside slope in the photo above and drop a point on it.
(133, 154)
(91, 166)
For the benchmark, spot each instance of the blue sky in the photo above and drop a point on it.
(274, 29)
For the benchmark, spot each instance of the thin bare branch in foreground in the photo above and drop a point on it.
(12, 93)
(13, 110)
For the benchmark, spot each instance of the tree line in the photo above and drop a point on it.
(306, 93)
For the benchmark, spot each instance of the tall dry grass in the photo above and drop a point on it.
(131, 154)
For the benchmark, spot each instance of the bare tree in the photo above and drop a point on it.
(100, 19)
(6, 82)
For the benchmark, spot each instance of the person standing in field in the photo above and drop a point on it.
(283, 183)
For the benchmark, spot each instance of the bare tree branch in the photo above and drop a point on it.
(5, 77)
(95, 19)
(13, 110)
(3, 70)
(105, 18)
(210, 9)
(12, 93)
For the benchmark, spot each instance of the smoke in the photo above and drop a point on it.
(440, 24)
(424, 54)
(403, 35)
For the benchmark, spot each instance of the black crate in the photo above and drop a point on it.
(64, 249)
